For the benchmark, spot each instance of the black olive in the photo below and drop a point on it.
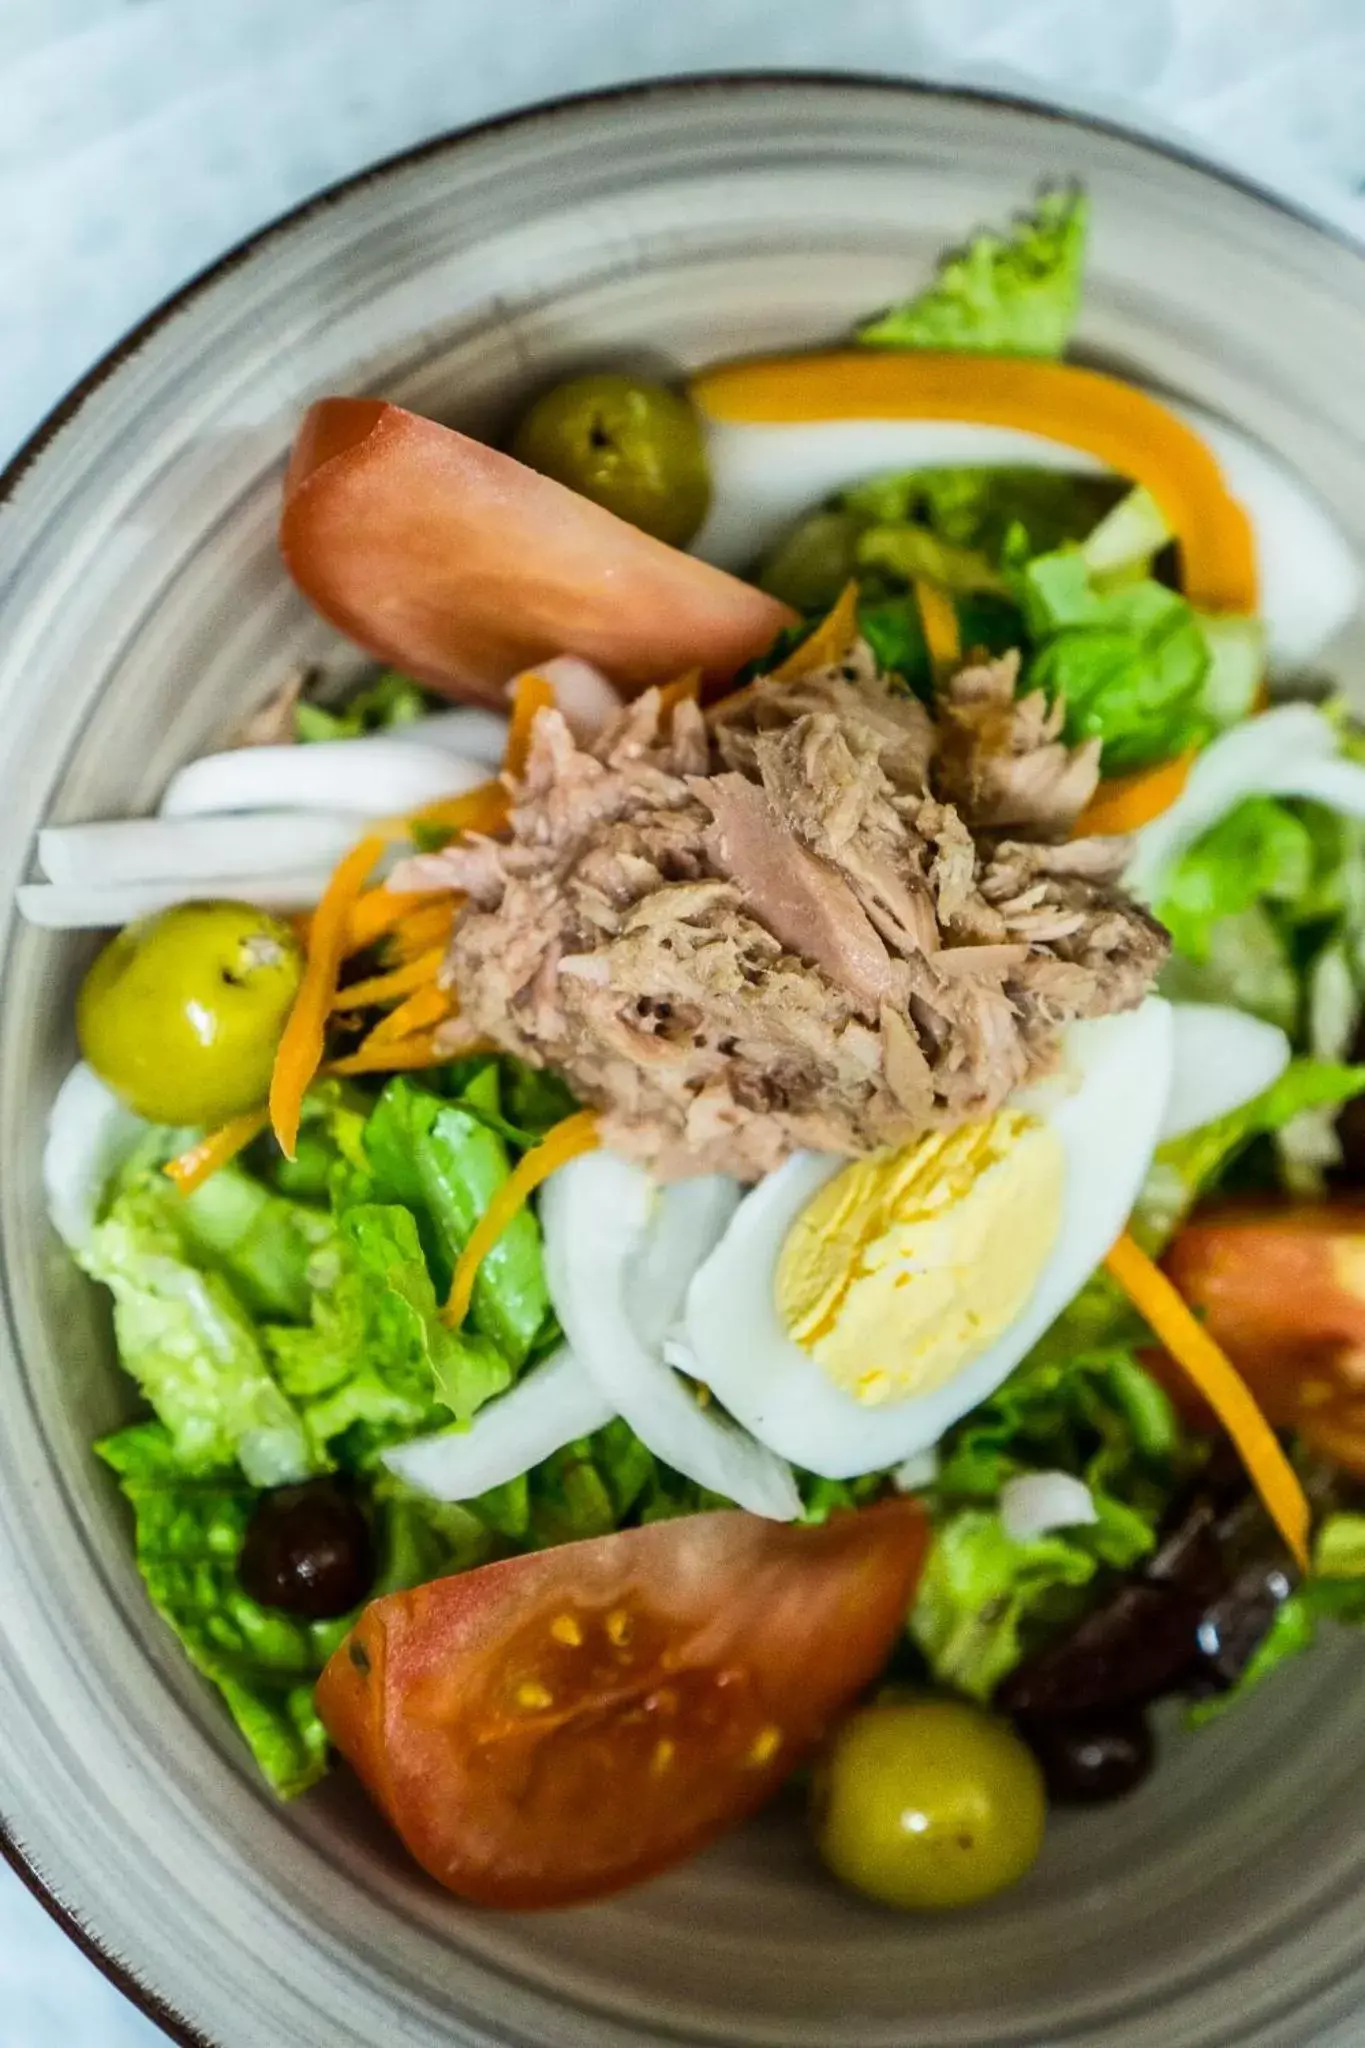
(1089, 1758)
(307, 1551)
(1139, 1644)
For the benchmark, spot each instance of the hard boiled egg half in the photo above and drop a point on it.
(842, 1314)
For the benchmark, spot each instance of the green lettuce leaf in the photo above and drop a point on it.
(377, 1364)
(1130, 661)
(1186, 1168)
(444, 1161)
(1005, 295)
(1080, 1403)
(385, 705)
(185, 1336)
(1247, 965)
(189, 1533)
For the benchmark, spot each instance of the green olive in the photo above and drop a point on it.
(928, 1803)
(181, 1013)
(634, 447)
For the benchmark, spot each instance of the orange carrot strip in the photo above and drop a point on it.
(481, 809)
(1128, 801)
(533, 695)
(203, 1159)
(400, 1057)
(426, 1006)
(1156, 1299)
(830, 641)
(301, 1046)
(938, 618)
(575, 1135)
(423, 929)
(377, 912)
(1125, 428)
(399, 981)
(684, 689)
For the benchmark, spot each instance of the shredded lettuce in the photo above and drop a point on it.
(385, 705)
(1017, 294)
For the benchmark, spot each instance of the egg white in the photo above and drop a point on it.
(1105, 1107)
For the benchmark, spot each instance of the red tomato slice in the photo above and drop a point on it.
(463, 567)
(558, 1726)
(1282, 1291)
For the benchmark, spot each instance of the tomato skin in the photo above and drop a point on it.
(553, 1728)
(1283, 1292)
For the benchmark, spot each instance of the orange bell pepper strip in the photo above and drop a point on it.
(1126, 429)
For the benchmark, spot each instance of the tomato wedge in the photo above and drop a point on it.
(556, 1727)
(1282, 1291)
(462, 566)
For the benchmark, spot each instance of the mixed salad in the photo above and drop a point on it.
(781, 1185)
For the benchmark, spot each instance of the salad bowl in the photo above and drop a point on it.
(145, 615)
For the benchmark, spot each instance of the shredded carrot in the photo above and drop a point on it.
(577, 1134)
(399, 981)
(939, 619)
(828, 644)
(422, 930)
(1125, 428)
(426, 1006)
(684, 689)
(378, 912)
(1190, 1345)
(400, 1057)
(203, 1159)
(533, 695)
(299, 1054)
(1129, 801)
(481, 809)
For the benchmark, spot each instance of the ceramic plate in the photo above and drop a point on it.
(144, 610)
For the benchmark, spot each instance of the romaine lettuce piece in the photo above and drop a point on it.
(444, 1160)
(377, 1365)
(187, 1339)
(189, 1533)
(1012, 295)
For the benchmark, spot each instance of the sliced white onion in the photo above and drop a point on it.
(1220, 1059)
(375, 775)
(1034, 1503)
(183, 849)
(555, 1403)
(470, 730)
(83, 907)
(606, 1224)
(89, 1135)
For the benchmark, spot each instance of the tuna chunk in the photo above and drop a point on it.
(795, 923)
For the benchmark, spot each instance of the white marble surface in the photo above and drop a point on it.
(140, 138)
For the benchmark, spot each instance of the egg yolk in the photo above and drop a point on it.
(907, 1265)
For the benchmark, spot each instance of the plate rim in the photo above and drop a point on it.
(117, 1971)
